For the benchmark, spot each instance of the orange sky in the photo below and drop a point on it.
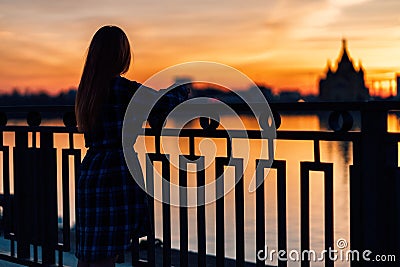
(281, 43)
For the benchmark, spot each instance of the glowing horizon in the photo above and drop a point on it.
(284, 44)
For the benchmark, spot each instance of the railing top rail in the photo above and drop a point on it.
(38, 108)
(339, 106)
(296, 106)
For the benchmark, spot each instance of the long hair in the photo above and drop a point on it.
(108, 56)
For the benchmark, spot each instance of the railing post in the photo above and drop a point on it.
(35, 194)
(48, 186)
(373, 196)
(22, 207)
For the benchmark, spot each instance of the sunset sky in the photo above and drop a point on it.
(284, 44)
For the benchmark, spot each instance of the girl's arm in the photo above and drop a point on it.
(157, 104)
(166, 103)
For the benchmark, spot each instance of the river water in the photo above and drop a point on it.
(339, 153)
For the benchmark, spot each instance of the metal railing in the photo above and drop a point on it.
(30, 212)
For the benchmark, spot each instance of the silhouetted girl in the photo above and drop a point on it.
(110, 205)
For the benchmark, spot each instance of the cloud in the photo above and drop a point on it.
(6, 34)
(269, 34)
(346, 3)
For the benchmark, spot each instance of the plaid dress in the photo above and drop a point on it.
(110, 206)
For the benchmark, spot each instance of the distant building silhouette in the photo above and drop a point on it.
(344, 84)
(289, 96)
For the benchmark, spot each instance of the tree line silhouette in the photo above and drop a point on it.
(16, 98)
(41, 98)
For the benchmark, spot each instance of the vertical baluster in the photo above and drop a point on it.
(37, 210)
(220, 212)
(183, 211)
(317, 157)
(239, 212)
(305, 212)
(150, 191)
(201, 213)
(327, 168)
(76, 153)
(329, 243)
(12, 245)
(166, 212)
(260, 213)
(77, 163)
(60, 258)
(281, 198)
(65, 189)
(65, 199)
(7, 208)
